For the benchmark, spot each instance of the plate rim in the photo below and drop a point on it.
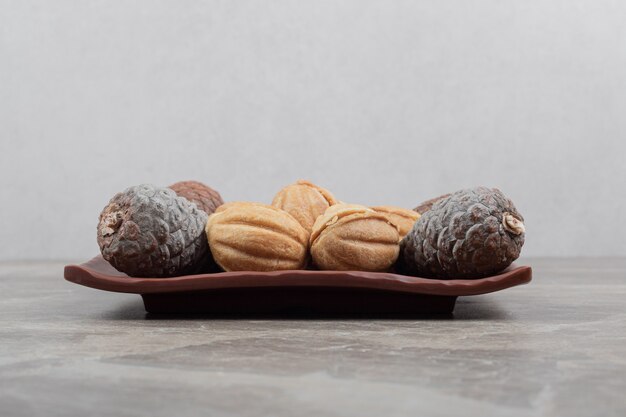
(87, 275)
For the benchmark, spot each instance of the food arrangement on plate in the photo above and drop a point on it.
(185, 250)
(186, 228)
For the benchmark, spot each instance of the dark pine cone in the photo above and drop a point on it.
(149, 231)
(428, 204)
(205, 197)
(472, 233)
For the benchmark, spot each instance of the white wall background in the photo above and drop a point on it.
(380, 101)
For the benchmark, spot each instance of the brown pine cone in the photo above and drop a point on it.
(149, 231)
(427, 205)
(472, 233)
(205, 197)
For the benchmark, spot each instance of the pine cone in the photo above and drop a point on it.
(205, 197)
(470, 234)
(428, 204)
(148, 231)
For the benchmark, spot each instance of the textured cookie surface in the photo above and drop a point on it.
(149, 231)
(205, 197)
(333, 214)
(256, 237)
(470, 234)
(352, 237)
(305, 201)
(404, 219)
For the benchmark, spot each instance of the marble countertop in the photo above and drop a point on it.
(555, 347)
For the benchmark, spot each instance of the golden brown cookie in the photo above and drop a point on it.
(352, 237)
(256, 237)
(305, 201)
(404, 219)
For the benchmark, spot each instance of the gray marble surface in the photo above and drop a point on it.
(555, 347)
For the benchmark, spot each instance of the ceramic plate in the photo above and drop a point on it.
(245, 292)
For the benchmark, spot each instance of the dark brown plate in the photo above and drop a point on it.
(283, 291)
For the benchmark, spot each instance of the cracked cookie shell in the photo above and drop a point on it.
(353, 237)
(247, 236)
(404, 219)
(305, 201)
